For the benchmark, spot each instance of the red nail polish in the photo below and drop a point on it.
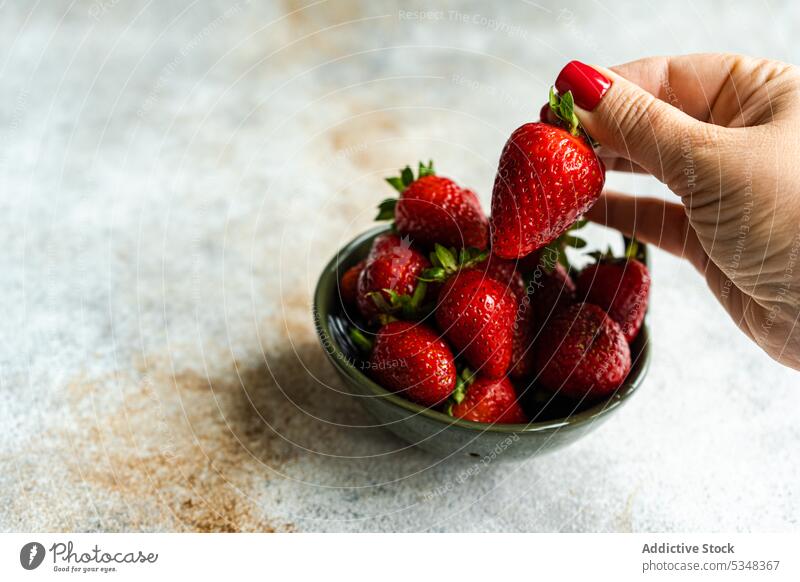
(587, 85)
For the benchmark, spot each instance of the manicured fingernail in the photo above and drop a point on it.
(587, 85)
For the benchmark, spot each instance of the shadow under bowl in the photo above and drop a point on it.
(554, 425)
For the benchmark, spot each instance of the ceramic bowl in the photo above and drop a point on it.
(555, 423)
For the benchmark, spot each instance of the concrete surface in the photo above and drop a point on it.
(175, 175)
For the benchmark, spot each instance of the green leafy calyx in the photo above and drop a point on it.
(400, 183)
(463, 381)
(386, 209)
(408, 306)
(406, 177)
(563, 106)
(447, 261)
(633, 250)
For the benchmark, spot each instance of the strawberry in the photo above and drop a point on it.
(348, 284)
(411, 359)
(547, 177)
(432, 209)
(388, 281)
(621, 286)
(582, 353)
(549, 288)
(529, 262)
(550, 291)
(524, 334)
(506, 272)
(484, 399)
(523, 329)
(476, 313)
(546, 293)
(475, 310)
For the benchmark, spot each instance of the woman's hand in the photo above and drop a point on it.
(723, 133)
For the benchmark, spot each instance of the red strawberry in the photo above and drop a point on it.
(504, 271)
(488, 400)
(529, 262)
(411, 359)
(621, 287)
(432, 209)
(393, 265)
(522, 351)
(476, 313)
(348, 284)
(547, 293)
(546, 179)
(550, 290)
(582, 353)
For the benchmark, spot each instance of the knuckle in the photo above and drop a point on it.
(629, 115)
(703, 140)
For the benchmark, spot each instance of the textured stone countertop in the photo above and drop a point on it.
(175, 175)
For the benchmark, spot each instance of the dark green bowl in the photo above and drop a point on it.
(554, 427)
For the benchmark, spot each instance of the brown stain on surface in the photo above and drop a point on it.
(180, 449)
(158, 447)
(186, 451)
(355, 140)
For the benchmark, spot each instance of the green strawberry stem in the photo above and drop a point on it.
(446, 262)
(408, 306)
(360, 340)
(633, 250)
(563, 106)
(386, 209)
(602, 255)
(463, 382)
(400, 183)
(384, 318)
(632, 247)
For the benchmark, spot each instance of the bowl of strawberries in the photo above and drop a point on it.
(472, 335)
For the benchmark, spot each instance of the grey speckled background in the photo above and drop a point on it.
(173, 178)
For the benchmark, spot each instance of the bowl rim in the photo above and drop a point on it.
(341, 361)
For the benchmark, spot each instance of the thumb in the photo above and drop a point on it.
(628, 120)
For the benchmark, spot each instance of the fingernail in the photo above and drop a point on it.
(587, 85)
